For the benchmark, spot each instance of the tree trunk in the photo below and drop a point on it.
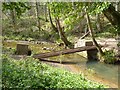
(62, 35)
(98, 23)
(113, 16)
(13, 16)
(45, 12)
(38, 14)
(52, 25)
(92, 34)
(118, 35)
(118, 7)
(32, 10)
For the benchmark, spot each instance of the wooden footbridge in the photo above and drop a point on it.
(62, 52)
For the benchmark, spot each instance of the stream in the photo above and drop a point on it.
(93, 70)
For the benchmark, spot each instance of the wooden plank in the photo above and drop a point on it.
(67, 51)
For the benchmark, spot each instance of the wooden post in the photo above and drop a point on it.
(22, 49)
(91, 54)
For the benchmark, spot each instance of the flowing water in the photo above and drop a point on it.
(103, 71)
(94, 69)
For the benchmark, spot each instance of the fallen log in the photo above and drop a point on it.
(67, 51)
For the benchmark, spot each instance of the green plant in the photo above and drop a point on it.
(31, 73)
(118, 44)
(8, 50)
(109, 57)
(19, 7)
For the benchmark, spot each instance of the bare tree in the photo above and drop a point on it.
(45, 12)
(52, 25)
(13, 16)
(38, 15)
(62, 35)
(92, 34)
(32, 10)
(98, 22)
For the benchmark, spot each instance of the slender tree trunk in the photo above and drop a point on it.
(92, 35)
(62, 35)
(98, 23)
(52, 25)
(32, 10)
(38, 14)
(13, 16)
(45, 12)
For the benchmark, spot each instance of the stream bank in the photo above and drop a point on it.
(77, 70)
(99, 72)
(95, 71)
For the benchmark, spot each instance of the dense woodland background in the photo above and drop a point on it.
(62, 23)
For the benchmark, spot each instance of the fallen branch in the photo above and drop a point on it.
(86, 34)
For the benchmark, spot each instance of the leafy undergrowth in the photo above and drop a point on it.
(31, 73)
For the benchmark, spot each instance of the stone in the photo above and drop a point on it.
(22, 49)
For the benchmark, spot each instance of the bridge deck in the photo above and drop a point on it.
(67, 51)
